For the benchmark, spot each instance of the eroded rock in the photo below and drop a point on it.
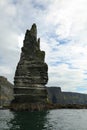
(31, 73)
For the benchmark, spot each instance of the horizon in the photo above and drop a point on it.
(62, 29)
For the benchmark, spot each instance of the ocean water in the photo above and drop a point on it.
(61, 119)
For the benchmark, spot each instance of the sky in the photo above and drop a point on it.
(62, 28)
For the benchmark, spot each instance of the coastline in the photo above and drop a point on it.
(42, 107)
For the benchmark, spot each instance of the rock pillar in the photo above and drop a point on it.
(31, 73)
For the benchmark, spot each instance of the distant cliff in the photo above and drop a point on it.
(6, 92)
(56, 96)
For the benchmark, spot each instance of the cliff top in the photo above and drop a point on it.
(5, 82)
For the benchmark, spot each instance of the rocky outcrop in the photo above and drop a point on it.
(32, 72)
(6, 92)
(30, 79)
(56, 96)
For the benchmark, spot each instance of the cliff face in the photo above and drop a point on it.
(56, 96)
(6, 92)
(32, 72)
(53, 93)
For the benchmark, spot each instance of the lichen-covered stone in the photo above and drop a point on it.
(31, 73)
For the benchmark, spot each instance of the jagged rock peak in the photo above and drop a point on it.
(31, 47)
(32, 32)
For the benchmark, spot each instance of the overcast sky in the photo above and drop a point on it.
(62, 28)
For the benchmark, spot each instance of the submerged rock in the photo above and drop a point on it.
(31, 73)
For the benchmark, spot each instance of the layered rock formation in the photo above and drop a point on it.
(31, 73)
(56, 96)
(6, 92)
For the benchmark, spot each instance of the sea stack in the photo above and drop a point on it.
(31, 74)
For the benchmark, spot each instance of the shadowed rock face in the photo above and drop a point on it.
(32, 72)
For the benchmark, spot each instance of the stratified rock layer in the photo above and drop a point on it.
(31, 73)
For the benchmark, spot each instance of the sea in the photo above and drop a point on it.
(60, 119)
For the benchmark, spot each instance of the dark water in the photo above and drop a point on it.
(63, 119)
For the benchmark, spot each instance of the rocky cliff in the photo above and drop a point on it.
(31, 76)
(6, 92)
(56, 96)
(32, 72)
